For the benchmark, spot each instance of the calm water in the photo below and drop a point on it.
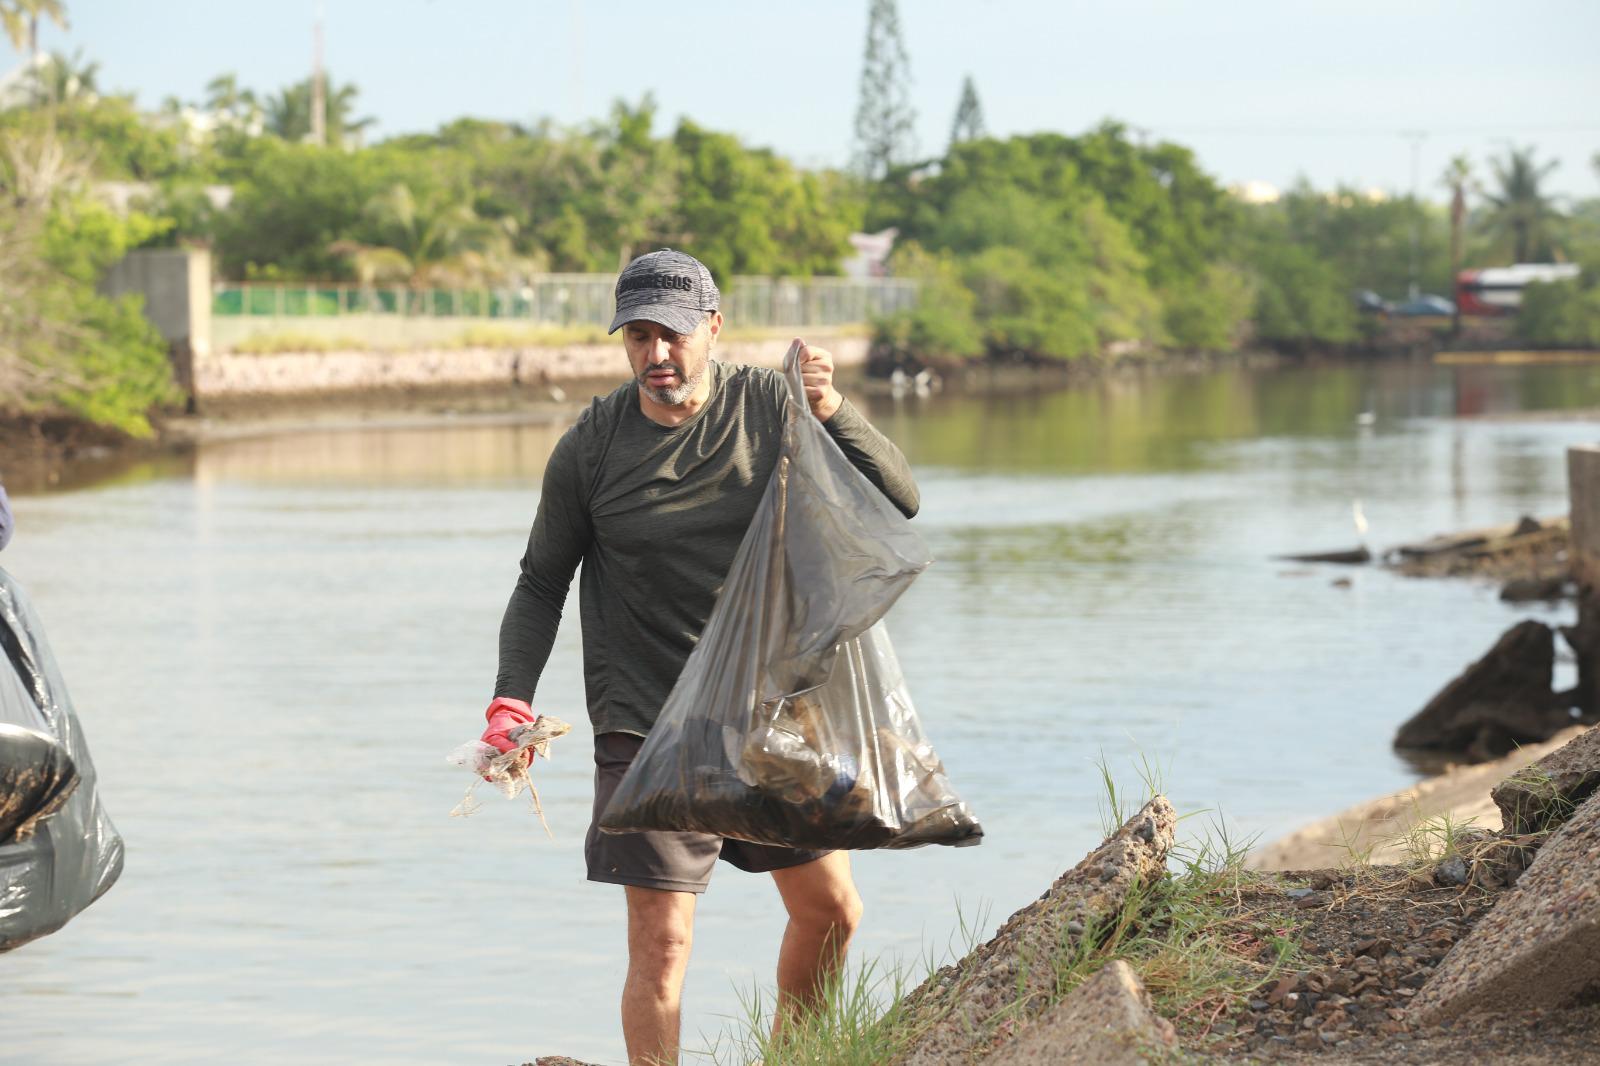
(273, 646)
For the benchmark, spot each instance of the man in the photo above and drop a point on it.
(652, 491)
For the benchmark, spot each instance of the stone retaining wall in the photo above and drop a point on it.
(227, 374)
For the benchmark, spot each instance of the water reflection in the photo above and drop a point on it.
(1169, 423)
(475, 455)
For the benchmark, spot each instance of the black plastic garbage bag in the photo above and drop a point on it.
(790, 723)
(58, 850)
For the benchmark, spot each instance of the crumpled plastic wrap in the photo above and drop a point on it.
(507, 771)
(790, 723)
(58, 850)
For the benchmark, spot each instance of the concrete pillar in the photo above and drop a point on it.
(1583, 479)
(176, 286)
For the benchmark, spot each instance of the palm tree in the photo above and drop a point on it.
(432, 240)
(20, 19)
(62, 79)
(1456, 178)
(225, 97)
(232, 107)
(1520, 212)
(288, 113)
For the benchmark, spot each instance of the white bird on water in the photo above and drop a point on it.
(1360, 520)
(1367, 418)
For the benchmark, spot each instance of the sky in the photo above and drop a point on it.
(1262, 90)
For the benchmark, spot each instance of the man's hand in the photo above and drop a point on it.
(816, 370)
(504, 715)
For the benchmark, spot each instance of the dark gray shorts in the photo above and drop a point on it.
(677, 862)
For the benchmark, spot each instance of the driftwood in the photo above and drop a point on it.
(1352, 556)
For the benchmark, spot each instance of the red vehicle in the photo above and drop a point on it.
(1498, 290)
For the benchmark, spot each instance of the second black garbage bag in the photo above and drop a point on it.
(791, 723)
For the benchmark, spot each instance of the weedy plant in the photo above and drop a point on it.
(861, 1018)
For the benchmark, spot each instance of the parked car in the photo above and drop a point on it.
(1424, 306)
(1370, 303)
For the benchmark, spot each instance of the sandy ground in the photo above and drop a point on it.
(1381, 825)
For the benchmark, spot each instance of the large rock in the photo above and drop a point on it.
(1106, 1021)
(1539, 797)
(1014, 970)
(1502, 700)
(1540, 946)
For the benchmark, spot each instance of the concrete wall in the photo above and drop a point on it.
(176, 286)
(355, 330)
(227, 374)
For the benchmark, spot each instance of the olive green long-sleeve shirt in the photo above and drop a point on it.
(655, 514)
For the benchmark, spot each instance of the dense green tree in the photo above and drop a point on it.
(63, 346)
(1302, 302)
(109, 133)
(747, 211)
(1177, 213)
(1564, 314)
(1210, 312)
(266, 234)
(1364, 238)
(943, 326)
(1088, 218)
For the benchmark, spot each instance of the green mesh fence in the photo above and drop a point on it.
(576, 300)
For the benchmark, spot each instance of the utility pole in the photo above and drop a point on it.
(1416, 137)
(319, 88)
(1456, 178)
(577, 62)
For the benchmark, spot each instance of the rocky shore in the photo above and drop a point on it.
(1471, 946)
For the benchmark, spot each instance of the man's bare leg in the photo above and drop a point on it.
(660, 931)
(824, 910)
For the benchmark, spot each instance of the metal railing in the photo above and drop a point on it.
(576, 300)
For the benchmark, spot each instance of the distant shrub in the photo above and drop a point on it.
(1562, 314)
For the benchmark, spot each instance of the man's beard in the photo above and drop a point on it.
(673, 395)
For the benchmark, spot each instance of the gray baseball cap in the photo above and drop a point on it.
(668, 287)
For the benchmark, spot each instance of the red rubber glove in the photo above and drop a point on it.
(504, 715)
